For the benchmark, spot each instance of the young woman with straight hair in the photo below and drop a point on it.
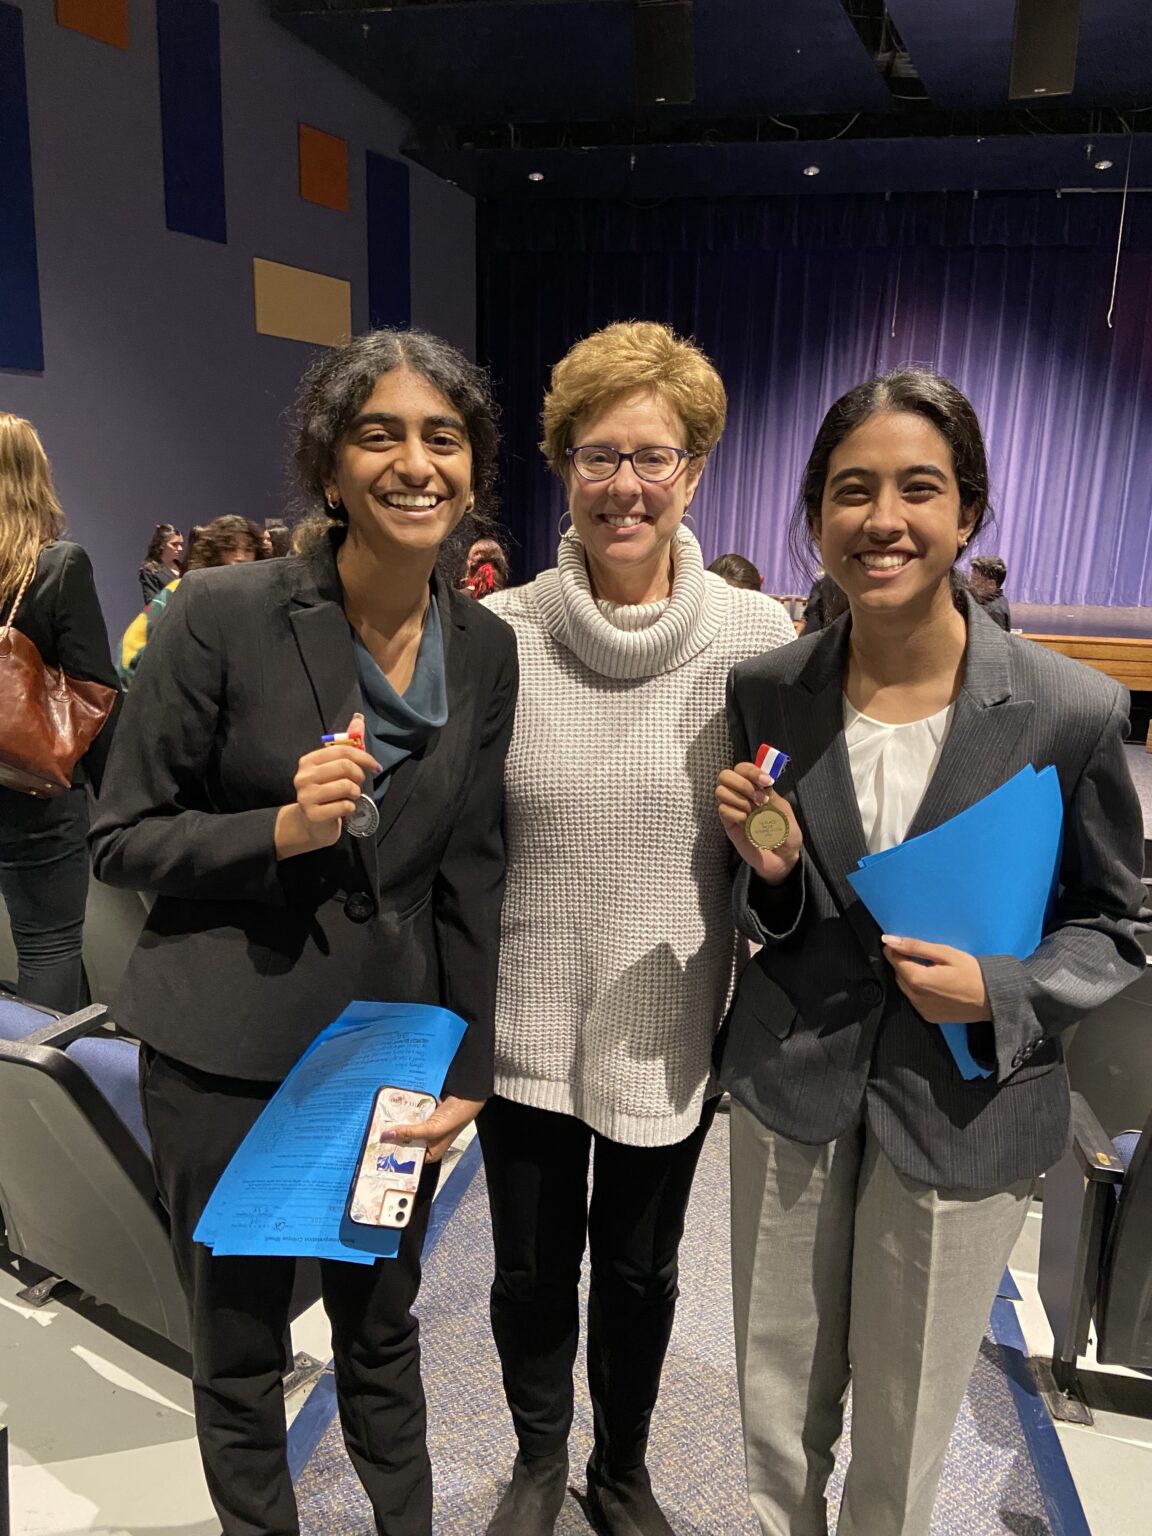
(876, 1193)
(43, 849)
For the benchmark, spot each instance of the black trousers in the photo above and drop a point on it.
(537, 1164)
(44, 883)
(239, 1309)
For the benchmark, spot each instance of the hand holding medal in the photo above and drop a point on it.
(330, 795)
(758, 821)
(364, 818)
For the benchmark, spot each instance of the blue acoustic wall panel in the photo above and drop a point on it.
(191, 117)
(389, 267)
(21, 338)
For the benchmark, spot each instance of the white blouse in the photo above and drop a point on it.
(891, 768)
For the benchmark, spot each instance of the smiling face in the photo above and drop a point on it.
(890, 524)
(404, 466)
(627, 524)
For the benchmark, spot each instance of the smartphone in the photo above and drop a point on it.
(388, 1173)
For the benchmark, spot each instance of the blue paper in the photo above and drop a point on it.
(982, 882)
(286, 1189)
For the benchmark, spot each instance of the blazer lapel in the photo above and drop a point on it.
(978, 754)
(320, 628)
(814, 734)
(409, 772)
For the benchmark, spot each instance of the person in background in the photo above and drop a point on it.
(43, 850)
(270, 918)
(227, 540)
(162, 563)
(485, 568)
(876, 1193)
(986, 584)
(618, 946)
(826, 603)
(737, 572)
(278, 540)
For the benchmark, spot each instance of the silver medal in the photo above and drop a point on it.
(364, 819)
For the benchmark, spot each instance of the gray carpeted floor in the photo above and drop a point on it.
(989, 1486)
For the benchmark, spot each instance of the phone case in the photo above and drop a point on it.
(388, 1173)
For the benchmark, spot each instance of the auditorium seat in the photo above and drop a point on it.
(1096, 1249)
(1109, 1055)
(77, 1194)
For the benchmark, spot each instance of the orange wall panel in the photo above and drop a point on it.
(323, 168)
(105, 20)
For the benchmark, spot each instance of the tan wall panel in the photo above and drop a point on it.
(301, 305)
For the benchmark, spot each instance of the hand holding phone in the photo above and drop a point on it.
(388, 1172)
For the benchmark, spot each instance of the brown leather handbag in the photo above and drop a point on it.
(47, 719)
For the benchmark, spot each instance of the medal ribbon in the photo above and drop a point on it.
(772, 762)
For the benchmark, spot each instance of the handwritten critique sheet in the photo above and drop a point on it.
(286, 1189)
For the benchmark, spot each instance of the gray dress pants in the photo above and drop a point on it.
(844, 1269)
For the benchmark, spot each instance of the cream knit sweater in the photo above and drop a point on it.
(618, 947)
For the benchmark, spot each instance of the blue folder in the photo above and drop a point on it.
(983, 882)
(286, 1189)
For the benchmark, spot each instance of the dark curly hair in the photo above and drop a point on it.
(337, 385)
(921, 392)
(222, 537)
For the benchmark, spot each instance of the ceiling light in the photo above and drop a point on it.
(535, 175)
(811, 170)
(1103, 165)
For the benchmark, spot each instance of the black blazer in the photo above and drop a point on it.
(245, 959)
(154, 577)
(60, 614)
(819, 1028)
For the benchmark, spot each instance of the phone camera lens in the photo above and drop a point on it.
(401, 1203)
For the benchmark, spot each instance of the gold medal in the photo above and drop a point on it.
(766, 827)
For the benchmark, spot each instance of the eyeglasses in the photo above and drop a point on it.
(596, 461)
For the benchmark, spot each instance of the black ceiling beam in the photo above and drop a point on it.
(878, 32)
(921, 120)
(284, 8)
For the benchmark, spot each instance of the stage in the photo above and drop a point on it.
(1116, 641)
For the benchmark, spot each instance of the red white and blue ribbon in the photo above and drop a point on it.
(772, 762)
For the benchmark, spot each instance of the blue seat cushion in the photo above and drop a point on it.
(112, 1064)
(1125, 1145)
(18, 1019)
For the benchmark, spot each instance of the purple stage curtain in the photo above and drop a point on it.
(796, 300)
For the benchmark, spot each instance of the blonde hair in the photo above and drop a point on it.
(30, 515)
(622, 359)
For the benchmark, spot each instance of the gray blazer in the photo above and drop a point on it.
(819, 1033)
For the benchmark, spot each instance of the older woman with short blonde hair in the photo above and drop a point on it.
(618, 943)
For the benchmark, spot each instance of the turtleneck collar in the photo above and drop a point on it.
(632, 640)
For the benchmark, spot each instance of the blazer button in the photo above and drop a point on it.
(359, 908)
(872, 993)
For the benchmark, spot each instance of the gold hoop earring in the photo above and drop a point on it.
(333, 500)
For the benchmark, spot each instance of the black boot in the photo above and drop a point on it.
(533, 1499)
(623, 1504)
